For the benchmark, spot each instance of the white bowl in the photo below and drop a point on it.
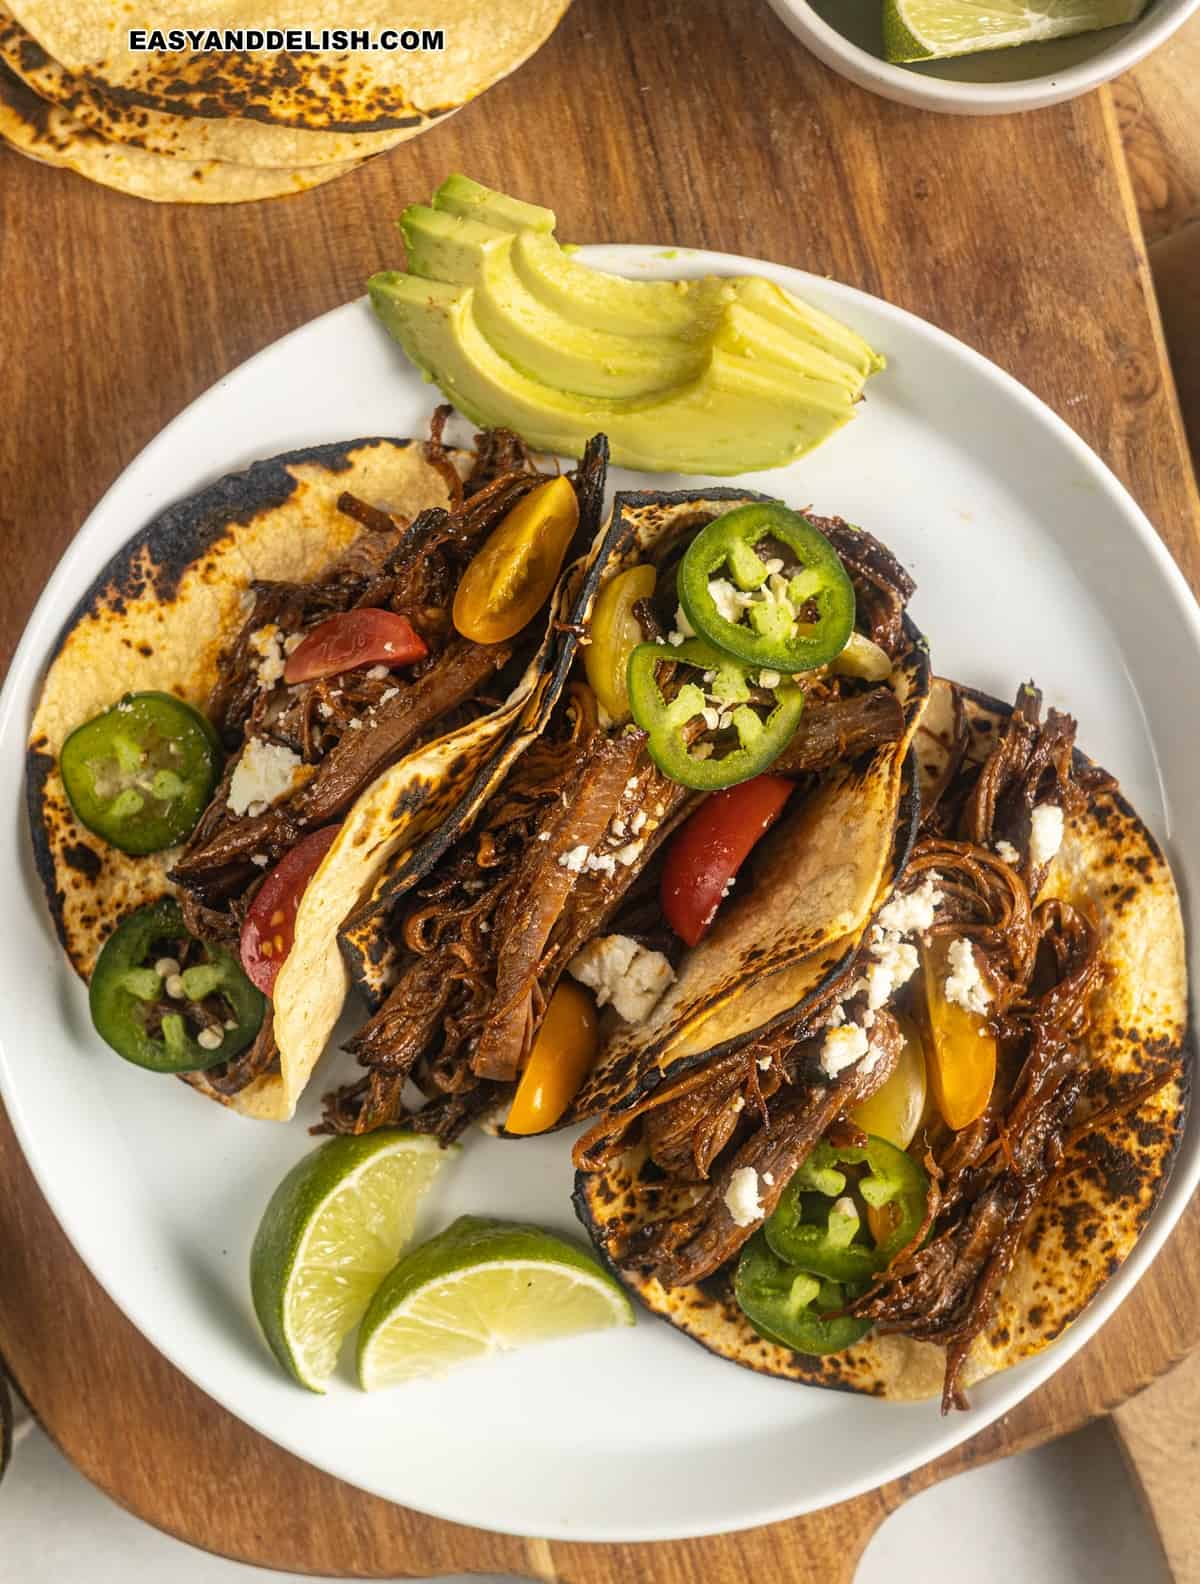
(845, 34)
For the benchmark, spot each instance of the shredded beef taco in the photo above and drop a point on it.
(284, 682)
(596, 891)
(927, 1172)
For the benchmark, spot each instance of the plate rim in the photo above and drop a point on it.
(1023, 1379)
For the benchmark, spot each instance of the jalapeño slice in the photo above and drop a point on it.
(670, 724)
(796, 616)
(141, 774)
(792, 1308)
(816, 1226)
(166, 1001)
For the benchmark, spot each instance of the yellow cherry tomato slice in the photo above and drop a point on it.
(615, 633)
(961, 1052)
(894, 1111)
(562, 1055)
(513, 573)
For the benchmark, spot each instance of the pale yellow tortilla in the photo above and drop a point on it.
(1092, 1213)
(158, 618)
(197, 139)
(52, 136)
(361, 91)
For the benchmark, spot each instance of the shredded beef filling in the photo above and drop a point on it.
(765, 1105)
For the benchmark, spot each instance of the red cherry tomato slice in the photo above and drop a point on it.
(711, 847)
(352, 639)
(270, 924)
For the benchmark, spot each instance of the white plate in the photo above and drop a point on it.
(1031, 560)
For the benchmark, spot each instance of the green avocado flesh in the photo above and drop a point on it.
(700, 376)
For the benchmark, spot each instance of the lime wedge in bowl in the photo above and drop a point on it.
(477, 1288)
(333, 1229)
(916, 30)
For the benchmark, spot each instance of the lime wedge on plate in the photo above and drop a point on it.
(332, 1231)
(915, 30)
(479, 1287)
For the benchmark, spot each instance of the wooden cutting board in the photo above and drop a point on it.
(692, 122)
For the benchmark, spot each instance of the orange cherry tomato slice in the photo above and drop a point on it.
(564, 1049)
(270, 924)
(353, 639)
(513, 573)
(960, 1051)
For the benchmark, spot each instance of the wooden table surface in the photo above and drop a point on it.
(696, 122)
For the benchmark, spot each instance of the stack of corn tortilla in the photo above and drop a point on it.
(195, 126)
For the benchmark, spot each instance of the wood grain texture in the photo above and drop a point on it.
(699, 123)
(1157, 107)
(1159, 1432)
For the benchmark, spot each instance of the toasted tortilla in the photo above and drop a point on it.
(368, 90)
(1094, 1209)
(158, 618)
(818, 894)
(197, 139)
(53, 136)
(404, 821)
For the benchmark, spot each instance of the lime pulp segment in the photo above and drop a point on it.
(915, 30)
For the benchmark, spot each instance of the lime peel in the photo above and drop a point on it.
(916, 30)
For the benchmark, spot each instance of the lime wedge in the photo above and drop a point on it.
(915, 30)
(477, 1288)
(332, 1231)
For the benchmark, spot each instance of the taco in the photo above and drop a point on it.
(281, 684)
(477, 951)
(926, 1173)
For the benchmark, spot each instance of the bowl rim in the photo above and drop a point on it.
(869, 71)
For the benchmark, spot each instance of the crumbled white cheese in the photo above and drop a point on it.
(574, 860)
(377, 673)
(543, 835)
(630, 853)
(388, 695)
(325, 711)
(623, 971)
(769, 1179)
(265, 773)
(355, 725)
(837, 1016)
(730, 602)
(261, 859)
(741, 1197)
(740, 1103)
(267, 644)
(682, 624)
(764, 1064)
(617, 827)
(638, 823)
(602, 863)
(1008, 854)
(632, 784)
(842, 1048)
(914, 911)
(895, 963)
(964, 983)
(1045, 833)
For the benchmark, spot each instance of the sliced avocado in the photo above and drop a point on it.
(447, 247)
(808, 324)
(460, 195)
(750, 335)
(534, 337)
(589, 297)
(739, 414)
